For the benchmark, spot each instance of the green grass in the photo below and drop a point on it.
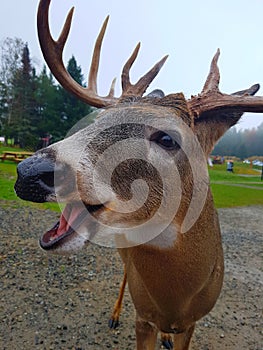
(9, 148)
(230, 196)
(241, 188)
(7, 193)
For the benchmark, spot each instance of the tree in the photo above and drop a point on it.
(241, 144)
(10, 59)
(10, 62)
(3, 106)
(22, 125)
(48, 107)
(33, 106)
(72, 108)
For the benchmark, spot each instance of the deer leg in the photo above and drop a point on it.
(146, 335)
(166, 340)
(182, 340)
(114, 320)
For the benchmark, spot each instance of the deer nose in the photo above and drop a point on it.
(35, 179)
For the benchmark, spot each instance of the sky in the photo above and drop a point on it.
(189, 31)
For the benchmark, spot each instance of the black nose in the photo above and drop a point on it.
(35, 181)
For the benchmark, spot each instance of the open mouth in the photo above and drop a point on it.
(70, 220)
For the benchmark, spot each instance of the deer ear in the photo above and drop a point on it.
(210, 126)
(156, 93)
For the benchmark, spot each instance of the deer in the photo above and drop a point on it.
(136, 179)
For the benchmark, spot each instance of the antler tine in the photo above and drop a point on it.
(45, 38)
(211, 99)
(140, 87)
(213, 78)
(143, 83)
(65, 31)
(93, 73)
(125, 76)
(112, 88)
(53, 50)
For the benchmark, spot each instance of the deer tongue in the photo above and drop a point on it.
(70, 219)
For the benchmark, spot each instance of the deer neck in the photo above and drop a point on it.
(201, 242)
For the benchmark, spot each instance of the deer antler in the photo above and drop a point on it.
(52, 51)
(140, 87)
(211, 99)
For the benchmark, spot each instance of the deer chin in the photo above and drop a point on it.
(66, 235)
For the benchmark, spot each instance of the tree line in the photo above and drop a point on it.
(35, 110)
(242, 144)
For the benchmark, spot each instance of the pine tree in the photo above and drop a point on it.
(23, 121)
(48, 109)
(72, 109)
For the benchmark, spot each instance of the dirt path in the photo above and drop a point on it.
(64, 303)
(244, 185)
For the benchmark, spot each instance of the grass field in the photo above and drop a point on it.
(241, 188)
(7, 181)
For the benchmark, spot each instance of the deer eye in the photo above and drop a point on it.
(164, 140)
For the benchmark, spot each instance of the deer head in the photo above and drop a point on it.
(168, 123)
(137, 177)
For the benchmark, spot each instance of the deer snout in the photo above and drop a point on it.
(35, 181)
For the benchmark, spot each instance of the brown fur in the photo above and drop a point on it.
(175, 278)
(172, 283)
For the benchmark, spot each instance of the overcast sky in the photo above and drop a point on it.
(189, 31)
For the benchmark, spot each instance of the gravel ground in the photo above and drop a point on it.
(63, 303)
